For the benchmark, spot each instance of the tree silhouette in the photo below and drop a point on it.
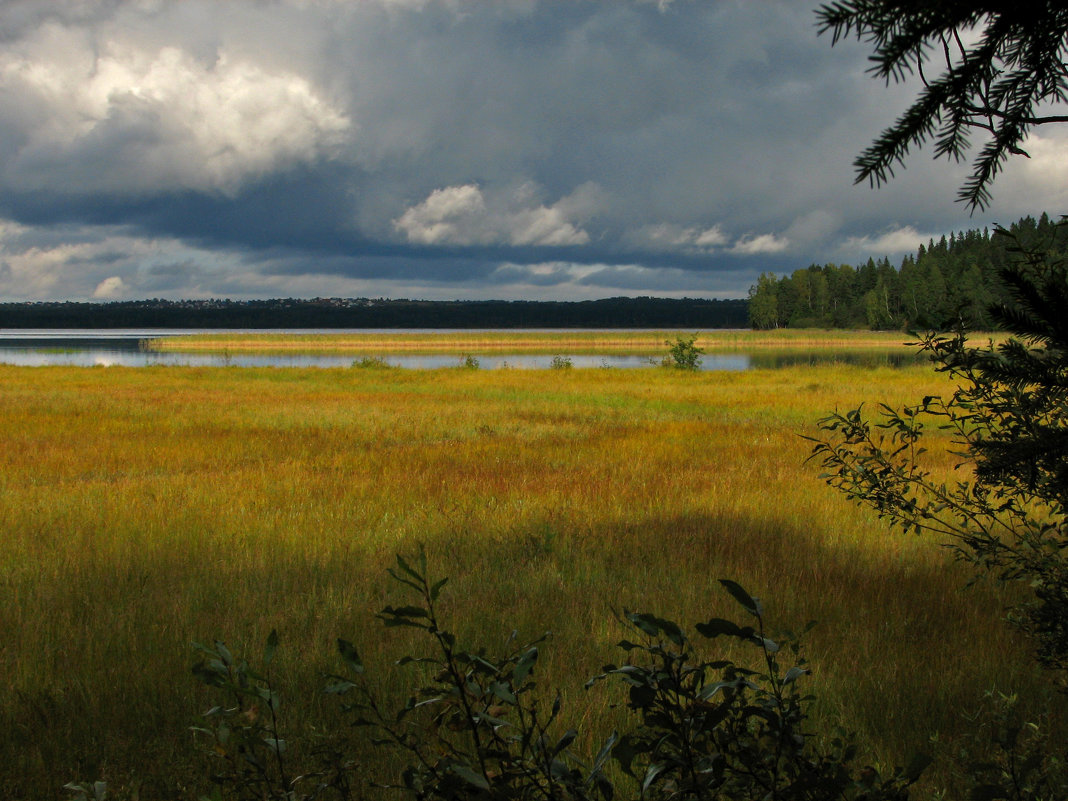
(1002, 66)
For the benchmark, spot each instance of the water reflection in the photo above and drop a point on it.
(124, 349)
(868, 358)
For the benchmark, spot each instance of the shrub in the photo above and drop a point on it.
(1007, 757)
(371, 363)
(561, 363)
(480, 728)
(250, 756)
(683, 354)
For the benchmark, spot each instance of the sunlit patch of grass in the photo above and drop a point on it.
(146, 508)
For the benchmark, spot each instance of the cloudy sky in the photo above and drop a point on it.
(450, 149)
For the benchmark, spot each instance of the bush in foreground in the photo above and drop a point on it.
(479, 727)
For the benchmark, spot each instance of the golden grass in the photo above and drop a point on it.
(145, 508)
(529, 342)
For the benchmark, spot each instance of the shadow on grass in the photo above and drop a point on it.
(900, 650)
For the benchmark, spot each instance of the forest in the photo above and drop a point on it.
(379, 313)
(947, 283)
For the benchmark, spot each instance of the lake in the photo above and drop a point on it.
(123, 348)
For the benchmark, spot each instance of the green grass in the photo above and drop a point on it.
(146, 508)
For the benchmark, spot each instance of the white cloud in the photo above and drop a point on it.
(711, 238)
(1044, 174)
(461, 215)
(813, 228)
(569, 281)
(751, 245)
(110, 288)
(551, 273)
(894, 242)
(103, 262)
(124, 118)
(661, 236)
(673, 237)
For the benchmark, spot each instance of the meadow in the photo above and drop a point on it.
(147, 508)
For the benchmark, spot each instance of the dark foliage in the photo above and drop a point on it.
(1008, 513)
(479, 729)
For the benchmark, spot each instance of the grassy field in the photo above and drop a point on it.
(146, 508)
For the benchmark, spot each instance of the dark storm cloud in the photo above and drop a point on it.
(440, 148)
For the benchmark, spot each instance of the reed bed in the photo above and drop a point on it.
(531, 342)
(146, 508)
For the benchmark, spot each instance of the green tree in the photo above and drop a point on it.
(1000, 65)
(763, 302)
(975, 298)
(913, 288)
(821, 297)
(877, 308)
(803, 291)
(842, 281)
(787, 300)
(936, 304)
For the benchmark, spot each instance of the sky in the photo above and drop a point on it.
(452, 149)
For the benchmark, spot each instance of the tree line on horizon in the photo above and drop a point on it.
(947, 283)
(645, 312)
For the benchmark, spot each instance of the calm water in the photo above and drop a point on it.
(37, 348)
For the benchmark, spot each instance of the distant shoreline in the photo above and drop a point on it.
(367, 313)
